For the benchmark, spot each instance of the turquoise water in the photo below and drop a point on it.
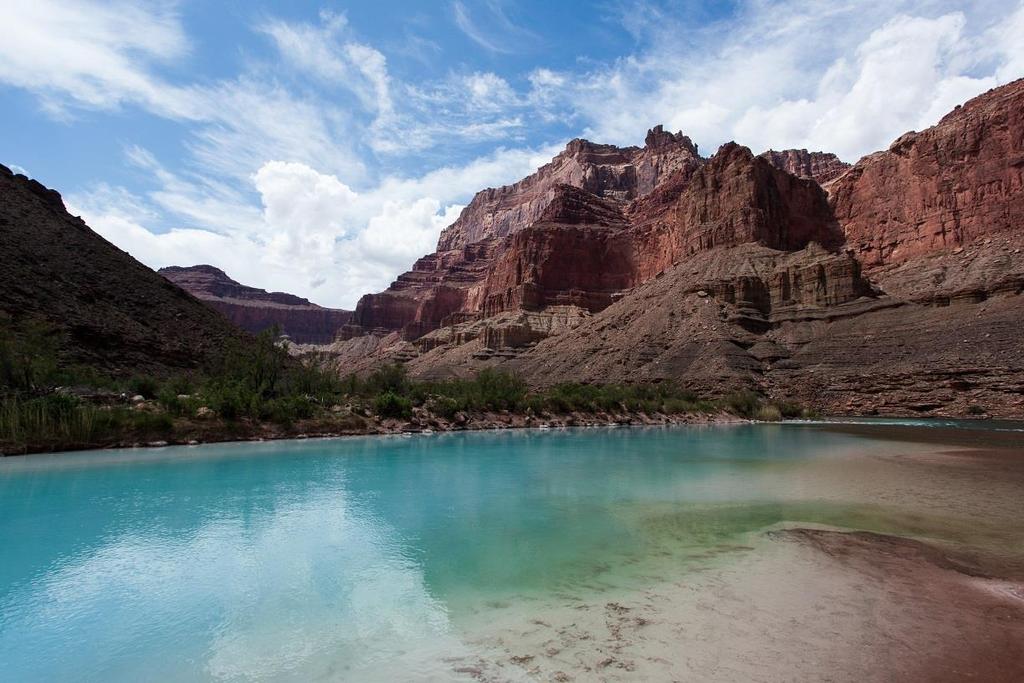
(340, 559)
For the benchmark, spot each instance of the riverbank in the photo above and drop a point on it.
(191, 431)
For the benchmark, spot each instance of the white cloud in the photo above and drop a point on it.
(99, 55)
(842, 76)
(311, 234)
(465, 22)
(899, 80)
(329, 53)
(1008, 44)
(488, 91)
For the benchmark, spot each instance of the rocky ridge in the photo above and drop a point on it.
(98, 305)
(255, 310)
(941, 189)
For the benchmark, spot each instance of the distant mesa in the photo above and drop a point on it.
(255, 309)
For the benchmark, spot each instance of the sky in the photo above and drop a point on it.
(319, 148)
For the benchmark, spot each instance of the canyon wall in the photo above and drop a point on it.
(821, 167)
(93, 302)
(939, 189)
(890, 286)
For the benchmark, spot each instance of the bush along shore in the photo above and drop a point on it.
(257, 391)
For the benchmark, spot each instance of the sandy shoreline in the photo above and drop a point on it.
(807, 604)
(793, 603)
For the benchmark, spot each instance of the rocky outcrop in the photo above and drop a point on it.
(439, 285)
(938, 190)
(255, 309)
(603, 170)
(98, 305)
(821, 167)
(736, 198)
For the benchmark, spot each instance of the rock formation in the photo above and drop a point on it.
(255, 309)
(895, 289)
(938, 190)
(603, 170)
(821, 167)
(100, 306)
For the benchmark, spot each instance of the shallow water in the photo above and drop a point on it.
(379, 557)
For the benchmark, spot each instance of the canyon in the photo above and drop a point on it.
(887, 286)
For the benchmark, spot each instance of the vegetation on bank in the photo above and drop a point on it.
(47, 405)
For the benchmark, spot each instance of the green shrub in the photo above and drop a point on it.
(390, 404)
(789, 409)
(768, 413)
(287, 409)
(169, 400)
(147, 424)
(28, 356)
(179, 384)
(389, 379)
(499, 390)
(228, 399)
(743, 403)
(444, 406)
(144, 386)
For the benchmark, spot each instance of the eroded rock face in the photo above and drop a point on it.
(738, 198)
(935, 191)
(603, 170)
(255, 309)
(821, 167)
(585, 249)
(440, 285)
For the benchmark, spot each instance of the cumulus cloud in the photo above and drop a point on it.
(307, 232)
(847, 77)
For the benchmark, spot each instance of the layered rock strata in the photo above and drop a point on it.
(940, 189)
(821, 167)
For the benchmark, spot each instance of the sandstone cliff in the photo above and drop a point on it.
(603, 170)
(255, 309)
(821, 167)
(940, 189)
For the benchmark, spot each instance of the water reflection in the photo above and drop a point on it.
(353, 559)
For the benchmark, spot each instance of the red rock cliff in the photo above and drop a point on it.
(603, 170)
(939, 189)
(821, 167)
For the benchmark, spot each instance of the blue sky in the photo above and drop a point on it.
(319, 148)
